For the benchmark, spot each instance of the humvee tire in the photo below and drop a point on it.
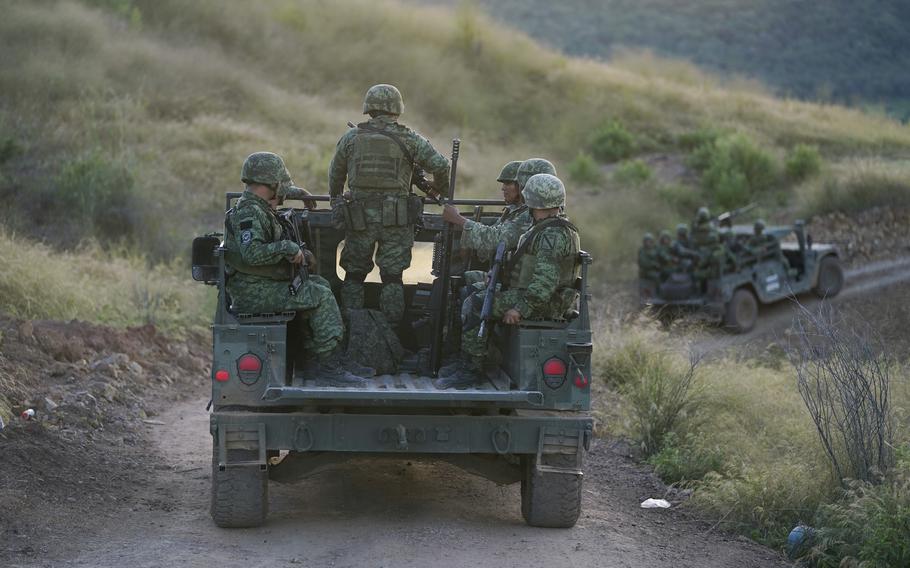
(548, 499)
(240, 495)
(830, 278)
(741, 312)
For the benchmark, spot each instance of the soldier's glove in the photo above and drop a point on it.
(337, 204)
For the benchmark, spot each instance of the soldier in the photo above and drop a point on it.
(258, 261)
(648, 261)
(702, 228)
(378, 158)
(665, 258)
(541, 278)
(682, 248)
(762, 246)
(513, 222)
(712, 255)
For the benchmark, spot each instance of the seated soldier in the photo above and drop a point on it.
(648, 261)
(259, 263)
(541, 279)
(665, 257)
(731, 247)
(710, 266)
(702, 228)
(762, 246)
(682, 248)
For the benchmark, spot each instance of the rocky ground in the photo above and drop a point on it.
(877, 234)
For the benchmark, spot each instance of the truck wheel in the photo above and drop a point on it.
(741, 312)
(830, 278)
(240, 495)
(548, 499)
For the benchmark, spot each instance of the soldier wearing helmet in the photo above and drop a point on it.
(648, 261)
(682, 249)
(665, 258)
(702, 228)
(377, 159)
(762, 245)
(258, 261)
(540, 281)
(514, 221)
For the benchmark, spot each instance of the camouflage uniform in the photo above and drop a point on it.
(681, 249)
(259, 273)
(648, 260)
(379, 175)
(665, 257)
(702, 229)
(540, 283)
(714, 257)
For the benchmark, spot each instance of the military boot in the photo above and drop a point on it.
(331, 372)
(465, 375)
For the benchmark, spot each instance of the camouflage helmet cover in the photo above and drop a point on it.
(665, 234)
(509, 172)
(682, 229)
(383, 98)
(544, 191)
(265, 168)
(703, 214)
(648, 237)
(531, 167)
(759, 225)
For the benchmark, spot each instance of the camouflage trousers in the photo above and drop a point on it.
(393, 255)
(475, 348)
(255, 294)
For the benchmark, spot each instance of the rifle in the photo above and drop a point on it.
(443, 255)
(725, 219)
(486, 314)
(418, 175)
(299, 273)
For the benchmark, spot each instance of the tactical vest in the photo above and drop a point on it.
(378, 162)
(524, 259)
(281, 270)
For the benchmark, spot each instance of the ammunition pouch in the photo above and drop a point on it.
(354, 216)
(395, 211)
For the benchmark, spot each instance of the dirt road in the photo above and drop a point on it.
(389, 513)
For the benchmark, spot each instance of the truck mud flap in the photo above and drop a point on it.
(566, 442)
(241, 437)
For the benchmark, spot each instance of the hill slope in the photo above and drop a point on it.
(126, 120)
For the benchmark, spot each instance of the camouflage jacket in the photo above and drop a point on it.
(546, 270)
(515, 221)
(254, 242)
(424, 154)
(648, 262)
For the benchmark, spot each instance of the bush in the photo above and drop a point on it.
(803, 163)
(685, 460)
(858, 186)
(632, 172)
(735, 170)
(9, 149)
(612, 142)
(584, 170)
(696, 139)
(99, 192)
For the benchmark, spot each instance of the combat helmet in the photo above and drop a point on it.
(664, 234)
(383, 99)
(759, 225)
(509, 172)
(544, 191)
(265, 168)
(703, 215)
(533, 166)
(647, 237)
(682, 229)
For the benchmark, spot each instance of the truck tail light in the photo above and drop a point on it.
(581, 380)
(249, 367)
(221, 375)
(554, 372)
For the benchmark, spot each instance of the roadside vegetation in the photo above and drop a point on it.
(739, 434)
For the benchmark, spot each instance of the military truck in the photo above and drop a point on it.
(528, 423)
(733, 299)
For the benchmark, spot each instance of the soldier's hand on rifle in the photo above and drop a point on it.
(511, 317)
(299, 258)
(310, 259)
(450, 214)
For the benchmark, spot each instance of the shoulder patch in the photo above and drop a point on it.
(246, 237)
(248, 224)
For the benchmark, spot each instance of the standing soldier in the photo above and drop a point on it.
(648, 262)
(713, 256)
(541, 278)
(702, 228)
(377, 158)
(259, 259)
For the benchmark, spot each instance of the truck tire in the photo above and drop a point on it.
(741, 311)
(240, 495)
(551, 500)
(830, 278)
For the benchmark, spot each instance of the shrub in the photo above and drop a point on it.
(803, 162)
(735, 170)
(696, 139)
(100, 193)
(858, 186)
(584, 170)
(632, 172)
(9, 149)
(612, 142)
(689, 459)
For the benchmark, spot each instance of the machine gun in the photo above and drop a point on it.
(291, 229)
(486, 313)
(442, 265)
(725, 219)
(418, 175)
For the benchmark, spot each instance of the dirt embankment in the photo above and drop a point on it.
(93, 390)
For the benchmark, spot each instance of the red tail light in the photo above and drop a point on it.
(249, 367)
(222, 375)
(581, 381)
(554, 372)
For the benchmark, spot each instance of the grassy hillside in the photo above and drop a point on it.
(838, 50)
(125, 120)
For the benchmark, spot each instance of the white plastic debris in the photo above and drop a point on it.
(655, 504)
(28, 414)
(2, 425)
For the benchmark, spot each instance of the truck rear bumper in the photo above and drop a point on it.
(562, 432)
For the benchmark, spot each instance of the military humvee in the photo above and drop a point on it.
(733, 299)
(529, 423)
